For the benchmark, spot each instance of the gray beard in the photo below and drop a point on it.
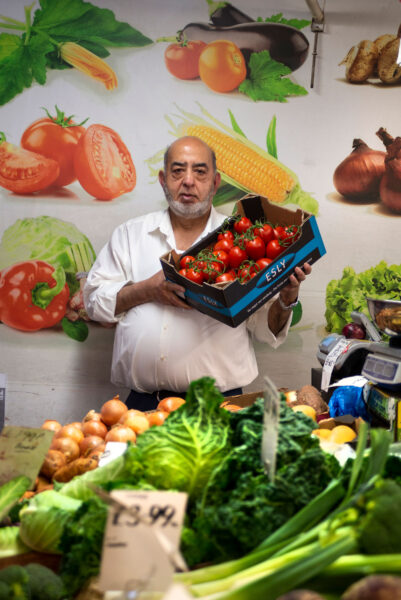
(198, 209)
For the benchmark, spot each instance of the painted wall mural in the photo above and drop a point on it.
(91, 93)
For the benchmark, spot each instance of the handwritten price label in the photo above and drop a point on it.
(22, 451)
(140, 546)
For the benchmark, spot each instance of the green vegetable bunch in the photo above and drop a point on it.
(31, 582)
(348, 294)
(347, 530)
(241, 507)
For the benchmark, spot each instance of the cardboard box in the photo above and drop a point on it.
(384, 407)
(233, 302)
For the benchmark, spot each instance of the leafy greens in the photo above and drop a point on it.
(349, 293)
(24, 59)
(267, 80)
(185, 453)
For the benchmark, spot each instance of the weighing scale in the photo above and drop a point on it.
(377, 360)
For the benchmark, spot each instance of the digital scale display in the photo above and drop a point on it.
(381, 369)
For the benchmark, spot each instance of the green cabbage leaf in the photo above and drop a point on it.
(52, 240)
(44, 518)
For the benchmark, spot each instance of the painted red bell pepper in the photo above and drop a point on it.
(33, 295)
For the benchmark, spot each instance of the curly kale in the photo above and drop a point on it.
(81, 544)
(241, 507)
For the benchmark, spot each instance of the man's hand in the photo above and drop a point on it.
(166, 292)
(289, 293)
(153, 289)
(278, 313)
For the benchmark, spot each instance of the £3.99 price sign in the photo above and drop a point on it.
(140, 546)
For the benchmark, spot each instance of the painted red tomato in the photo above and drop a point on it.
(182, 58)
(57, 139)
(103, 163)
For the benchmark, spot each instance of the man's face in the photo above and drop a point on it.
(189, 182)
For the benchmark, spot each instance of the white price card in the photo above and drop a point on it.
(177, 592)
(141, 541)
(22, 451)
(331, 359)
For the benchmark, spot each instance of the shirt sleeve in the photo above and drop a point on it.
(258, 326)
(110, 272)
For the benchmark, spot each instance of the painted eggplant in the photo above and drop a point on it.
(286, 44)
(227, 15)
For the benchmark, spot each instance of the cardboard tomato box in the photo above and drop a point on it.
(233, 302)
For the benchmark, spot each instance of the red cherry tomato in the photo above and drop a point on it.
(222, 256)
(226, 235)
(242, 225)
(212, 270)
(224, 244)
(273, 249)
(182, 58)
(255, 248)
(236, 256)
(262, 263)
(265, 232)
(246, 272)
(194, 275)
(225, 277)
(186, 260)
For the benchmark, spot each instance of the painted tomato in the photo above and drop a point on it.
(182, 58)
(25, 172)
(103, 163)
(57, 139)
(222, 66)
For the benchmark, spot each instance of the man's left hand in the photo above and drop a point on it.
(289, 293)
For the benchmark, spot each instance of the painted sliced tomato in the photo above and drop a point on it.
(24, 172)
(103, 163)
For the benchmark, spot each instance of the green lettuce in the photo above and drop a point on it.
(44, 518)
(52, 240)
(185, 453)
(349, 293)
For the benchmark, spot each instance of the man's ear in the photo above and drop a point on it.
(162, 178)
(217, 180)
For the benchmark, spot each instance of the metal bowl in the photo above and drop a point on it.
(386, 315)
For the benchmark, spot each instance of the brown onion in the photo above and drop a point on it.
(120, 433)
(358, 176)
(390, 192)
(112, 410)
(51, 425)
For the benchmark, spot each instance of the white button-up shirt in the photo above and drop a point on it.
(157, 346)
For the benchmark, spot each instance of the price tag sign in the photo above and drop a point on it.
(140, 545)
(331, 359)
(271, 418)
(177, 592)
(22, 451)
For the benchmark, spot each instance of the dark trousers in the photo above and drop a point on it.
(142, 401)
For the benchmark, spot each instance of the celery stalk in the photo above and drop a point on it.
(296, 572)
(252, 573)
(222, 570)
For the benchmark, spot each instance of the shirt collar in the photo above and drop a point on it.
(162, 223)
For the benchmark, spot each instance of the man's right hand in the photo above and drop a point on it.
(154, 289)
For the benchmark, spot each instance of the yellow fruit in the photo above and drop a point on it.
(342, 434)
(324, 434)
(307, 410)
